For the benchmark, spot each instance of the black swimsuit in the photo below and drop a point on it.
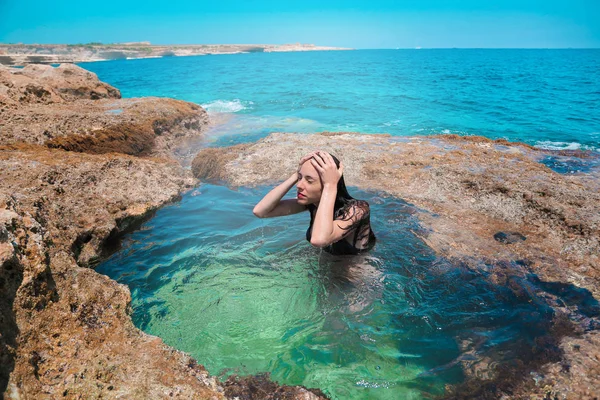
(342, 246)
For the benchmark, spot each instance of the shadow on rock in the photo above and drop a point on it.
(11, 276)
(260, 387)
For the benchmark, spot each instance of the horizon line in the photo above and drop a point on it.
(311, 44)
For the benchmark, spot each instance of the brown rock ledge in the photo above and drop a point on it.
(67, 327)
(101, 122)
(471, 188)
(79, 167)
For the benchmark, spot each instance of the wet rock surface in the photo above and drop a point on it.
(261, 387)
(79, 167)
(470, 189)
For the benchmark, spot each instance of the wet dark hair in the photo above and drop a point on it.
(344, 208)
(342, 198)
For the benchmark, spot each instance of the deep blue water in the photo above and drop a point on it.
(547, 98)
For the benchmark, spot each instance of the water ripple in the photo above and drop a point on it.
(245, 296)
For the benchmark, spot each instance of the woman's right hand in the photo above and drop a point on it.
(302, 161)
(306, 158)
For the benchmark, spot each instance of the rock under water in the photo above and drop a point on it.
(509, 237)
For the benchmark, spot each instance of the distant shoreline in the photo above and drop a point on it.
(23, 54)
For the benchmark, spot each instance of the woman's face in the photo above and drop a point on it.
(309, 185)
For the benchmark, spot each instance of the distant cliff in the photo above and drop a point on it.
(23, 54)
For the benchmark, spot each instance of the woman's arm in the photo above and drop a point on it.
(272, 206)
(326, 234)
(325, 230)
(323, 226)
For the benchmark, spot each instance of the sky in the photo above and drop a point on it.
(345, 23)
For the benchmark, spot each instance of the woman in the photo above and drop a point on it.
(339, 224)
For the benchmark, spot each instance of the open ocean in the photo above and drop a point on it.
(547, 98)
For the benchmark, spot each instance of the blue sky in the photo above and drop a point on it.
(349, 23)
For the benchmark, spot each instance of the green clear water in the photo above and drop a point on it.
(245, 295)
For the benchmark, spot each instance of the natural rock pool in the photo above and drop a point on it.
(245, 295)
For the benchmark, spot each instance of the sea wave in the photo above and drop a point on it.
(227, 106)
(396, 122)
(549, 145)
(450, 132)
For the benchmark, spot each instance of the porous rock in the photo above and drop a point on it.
(45, 84)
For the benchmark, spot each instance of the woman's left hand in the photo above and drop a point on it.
(325, 166)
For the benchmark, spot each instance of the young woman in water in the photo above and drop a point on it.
(339, 224)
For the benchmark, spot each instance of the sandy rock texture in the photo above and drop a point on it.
(69, 331)
(44, 84)
(79, 167)
(485, 204)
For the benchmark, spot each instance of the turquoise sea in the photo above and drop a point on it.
(547, 98)
(245, 295)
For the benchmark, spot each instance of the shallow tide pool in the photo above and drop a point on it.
(245, 295)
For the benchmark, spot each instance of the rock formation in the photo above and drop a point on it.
(101, 122)
(79, 166)
(481, 200)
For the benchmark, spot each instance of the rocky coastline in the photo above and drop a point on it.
(24, 54)
(79, 167)
(491, 206)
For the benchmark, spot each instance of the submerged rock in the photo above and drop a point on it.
(509, 237)
(261, 387)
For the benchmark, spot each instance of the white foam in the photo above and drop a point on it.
(452, 132)
(396, 122)
(225, 106)
(140, 58)
(549, 145)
